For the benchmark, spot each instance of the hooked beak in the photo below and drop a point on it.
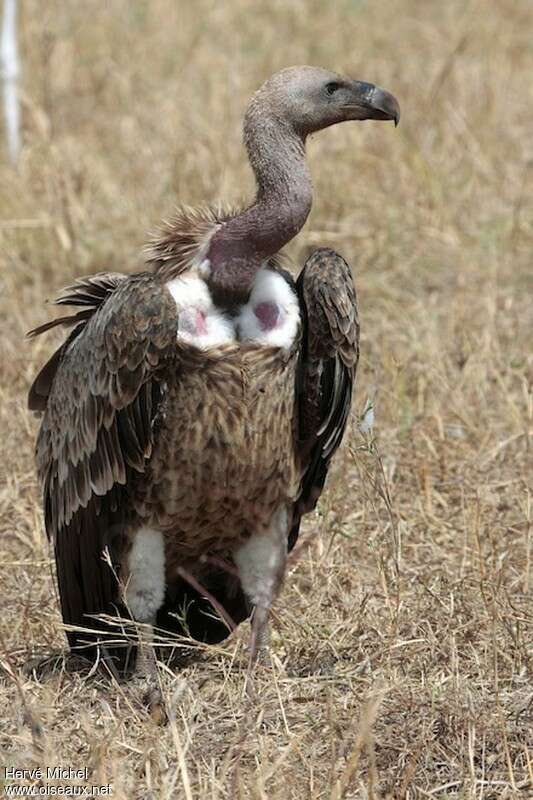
(372, 102)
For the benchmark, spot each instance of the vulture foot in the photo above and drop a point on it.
(152, 700)
(41, 667)
(147, 677)
(259, 648)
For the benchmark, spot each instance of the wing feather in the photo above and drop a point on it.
(326, 370)
(97, 395)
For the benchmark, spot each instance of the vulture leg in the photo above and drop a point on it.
(261, 564)
(146, 672)
(144, 592)
(146, 665)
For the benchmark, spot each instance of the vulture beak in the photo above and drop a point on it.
(372, 102)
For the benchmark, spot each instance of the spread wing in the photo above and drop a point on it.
(326, 369)
(99, 393)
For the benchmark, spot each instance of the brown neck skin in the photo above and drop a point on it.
(282, 205)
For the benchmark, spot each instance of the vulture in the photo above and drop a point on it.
(189, 418)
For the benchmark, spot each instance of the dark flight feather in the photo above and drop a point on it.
(326, 369)
(95, 433)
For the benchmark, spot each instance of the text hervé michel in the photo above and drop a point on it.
(48, 773)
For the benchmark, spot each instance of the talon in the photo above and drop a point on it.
(263, 659)
(153, 700)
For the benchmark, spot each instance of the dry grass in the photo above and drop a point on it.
(403, 638)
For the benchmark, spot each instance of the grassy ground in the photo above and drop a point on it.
(403, 637)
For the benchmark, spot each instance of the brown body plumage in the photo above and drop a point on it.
(229, 457)
(198, 404)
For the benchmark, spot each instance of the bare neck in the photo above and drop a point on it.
(281, 207)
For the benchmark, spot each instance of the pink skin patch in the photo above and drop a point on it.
(201, 324)
(268, 315)
(193, 321)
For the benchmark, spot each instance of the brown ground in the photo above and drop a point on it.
(403, 637)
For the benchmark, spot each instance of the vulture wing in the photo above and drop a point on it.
(99, 393)
(326, 370)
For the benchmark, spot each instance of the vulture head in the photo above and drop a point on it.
(308, 99)
(287, 108)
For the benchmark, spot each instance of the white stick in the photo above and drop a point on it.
(10, 72)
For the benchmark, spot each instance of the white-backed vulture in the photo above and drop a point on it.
(191, 414)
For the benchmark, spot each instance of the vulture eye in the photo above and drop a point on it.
(332, 87)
